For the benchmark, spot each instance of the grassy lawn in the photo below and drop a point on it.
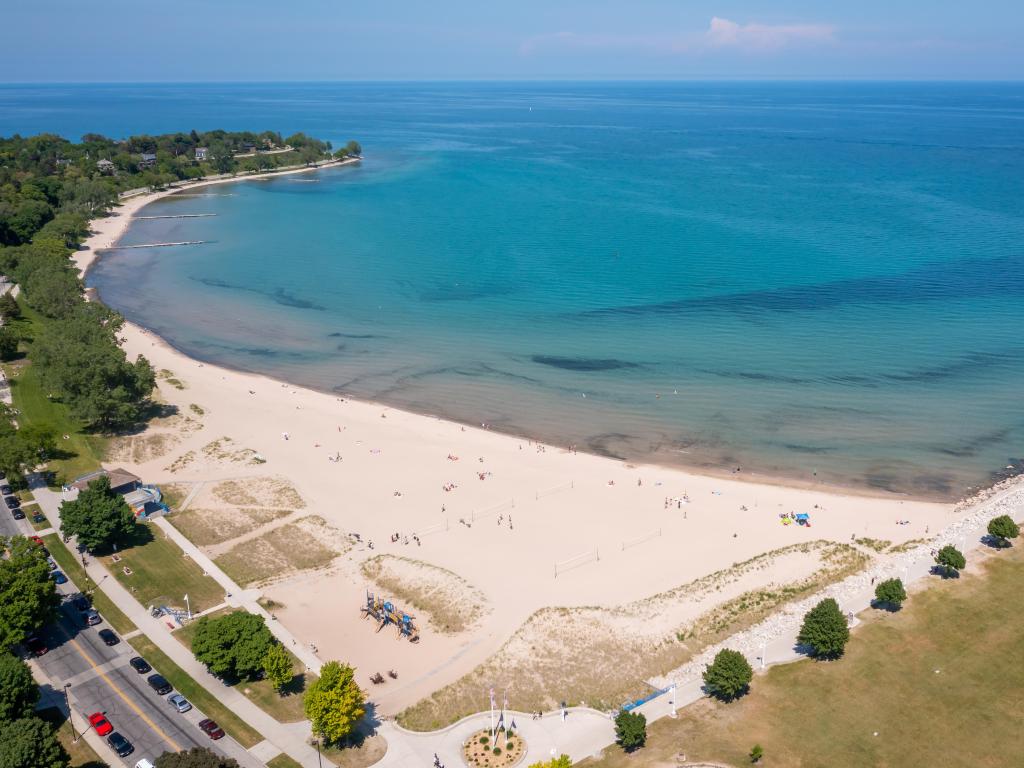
(161, 574)
(283, 761)
(72, 568)
(284, 709)
(81, 754)
(81, 452)
(237, 728)
(939, 679)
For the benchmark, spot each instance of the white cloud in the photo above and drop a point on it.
(723, 33)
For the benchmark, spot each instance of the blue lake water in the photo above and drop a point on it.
(811, 280)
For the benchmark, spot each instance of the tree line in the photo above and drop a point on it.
(44, 176)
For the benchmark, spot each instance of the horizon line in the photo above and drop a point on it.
(553, 80)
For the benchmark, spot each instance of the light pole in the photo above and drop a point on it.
(67, 702)
(319, 760)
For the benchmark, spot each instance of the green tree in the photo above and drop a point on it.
(234, 645)
(30, 743)
(630, 730)
(950, 560)
(18, 691)
(825, 630)
(8, 343)
(756, 753)
(197, 757)
(99, 517)
(891, 592)
(354, 148)
(334, 704)
(9, 309)
(28, 596)
(277, 664)
(1003, 528)
(729, 675)
(21, 450)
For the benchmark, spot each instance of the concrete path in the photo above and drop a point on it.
(281, 738)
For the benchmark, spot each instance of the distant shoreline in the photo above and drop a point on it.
(107, 231)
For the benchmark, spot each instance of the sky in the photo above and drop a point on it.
(256, 40)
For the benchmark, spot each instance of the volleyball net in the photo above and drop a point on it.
(627, 543)
(591, 556)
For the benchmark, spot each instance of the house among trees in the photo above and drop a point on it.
(202, 153)
(144, 500)
(105, 167)
(147, 160)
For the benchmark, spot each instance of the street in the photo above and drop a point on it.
(99, 679)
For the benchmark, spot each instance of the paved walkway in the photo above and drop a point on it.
(281, 738)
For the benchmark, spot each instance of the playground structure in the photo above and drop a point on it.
(385, 612)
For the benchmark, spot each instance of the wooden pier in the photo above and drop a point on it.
(156, 245)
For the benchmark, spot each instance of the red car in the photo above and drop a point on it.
(36, 645)
(98, 721)
(211, 729)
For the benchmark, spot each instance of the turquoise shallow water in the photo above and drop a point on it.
(816, 280)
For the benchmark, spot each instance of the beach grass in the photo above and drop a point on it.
(81, 452)
(80, 753)
(584, 656)
(232, 724)
(282, 550)
(161, 573)
(72, 567)
(932, 680)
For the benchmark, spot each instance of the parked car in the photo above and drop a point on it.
(144, 763)
(92, 617)
(120, 744)
(140, 665)
(159, 684)
(58, 577)
(6, 489)
(12, 502)
(211, 729)
(108, 637)
(80, 603)
(35, 645)
(38, 517)
(99, 721)
(40, 543)
(179, 702)
(52, 563)
(17, 514)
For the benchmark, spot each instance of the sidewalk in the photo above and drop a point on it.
(281, 737)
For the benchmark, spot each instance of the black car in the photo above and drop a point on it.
(108, 637)
(80, 603)
(140, 665)
(6, 490)
(120, 744)
(38, 517)
(12, 502)
(36, 645)
(17, 514)
(159, 684)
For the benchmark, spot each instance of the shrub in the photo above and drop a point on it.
(496, 751)
(951, 560)
(891, 592)
(630, 730)
(756, 753)
(1003, 528)
(729, 675)
(825, 630)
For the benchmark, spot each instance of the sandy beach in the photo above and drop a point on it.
(481, 520)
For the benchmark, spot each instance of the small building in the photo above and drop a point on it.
(121, 480)
(105, 167)
(147, 160)
(144, 500)
(202, 153)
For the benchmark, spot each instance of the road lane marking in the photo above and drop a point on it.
(145, 718)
